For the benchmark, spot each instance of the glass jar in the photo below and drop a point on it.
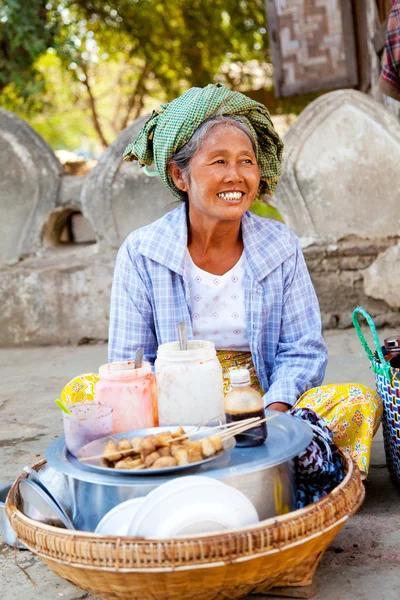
(131, 393)
(189, 383)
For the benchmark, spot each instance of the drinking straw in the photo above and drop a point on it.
(63, 407)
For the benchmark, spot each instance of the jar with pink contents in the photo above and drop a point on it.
(131, 393)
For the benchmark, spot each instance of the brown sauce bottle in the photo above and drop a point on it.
(243, 402)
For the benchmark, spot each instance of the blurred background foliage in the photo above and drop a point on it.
(79, 71)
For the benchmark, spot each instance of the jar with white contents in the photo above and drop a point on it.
(189, 382)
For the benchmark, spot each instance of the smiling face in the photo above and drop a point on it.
(224, 175)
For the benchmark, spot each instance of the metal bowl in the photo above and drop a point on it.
(263, 473)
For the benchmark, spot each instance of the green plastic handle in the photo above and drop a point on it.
(384, 368)
(149, 173)
(62, 406)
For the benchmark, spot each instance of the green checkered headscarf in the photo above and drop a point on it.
(171, 126)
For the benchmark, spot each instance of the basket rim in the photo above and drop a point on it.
(280, 519)
(268, 536)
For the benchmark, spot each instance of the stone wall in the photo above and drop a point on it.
(339, 192)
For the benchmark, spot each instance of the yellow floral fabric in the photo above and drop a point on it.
(80, 389)
(352, 411)
(237, 360)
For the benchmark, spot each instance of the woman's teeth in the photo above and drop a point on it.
(230, 195)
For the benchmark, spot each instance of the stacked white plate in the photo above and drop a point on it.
(185, 506)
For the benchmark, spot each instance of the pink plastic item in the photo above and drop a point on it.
(131, 393)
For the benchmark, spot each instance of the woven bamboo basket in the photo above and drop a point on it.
(281, 551)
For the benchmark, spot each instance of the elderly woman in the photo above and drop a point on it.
(235, 279)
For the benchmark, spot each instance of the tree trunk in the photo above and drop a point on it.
(139, 90)
(93, 108)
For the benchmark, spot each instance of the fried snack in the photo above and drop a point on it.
(216, 442)
(147, 446)
(207, 448)
(163, 439)
(194, 452)
(128, 463)
(174, 447)
(179, 432)
(135, 443)
(193, 446)
(181, 457)
(160, 451)
(150, 459)
(125, 446)
(164, 451)
(111, 451)
(164, 461)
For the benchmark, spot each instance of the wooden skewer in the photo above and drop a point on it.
(223, 425)
(123, 452)
(231, 433)
(237, 426)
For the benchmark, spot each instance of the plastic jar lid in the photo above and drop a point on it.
(239, 376)
(197, 350)
(123, 370)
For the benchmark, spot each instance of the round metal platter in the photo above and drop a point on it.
(38, 505)
(287, 437)
(96, 449)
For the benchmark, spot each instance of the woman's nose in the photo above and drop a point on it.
(232, 173)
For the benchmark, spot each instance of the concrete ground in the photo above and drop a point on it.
(363, 561)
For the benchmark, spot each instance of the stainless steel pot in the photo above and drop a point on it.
(264, 474)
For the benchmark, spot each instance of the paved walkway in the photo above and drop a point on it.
(363, 561)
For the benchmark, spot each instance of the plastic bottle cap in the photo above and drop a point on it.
(239, 376)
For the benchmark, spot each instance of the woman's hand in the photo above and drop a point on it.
(280, 406)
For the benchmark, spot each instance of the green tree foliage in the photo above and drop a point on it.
(27, 29)
(111, 59)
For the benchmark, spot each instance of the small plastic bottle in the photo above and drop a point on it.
(243, 402)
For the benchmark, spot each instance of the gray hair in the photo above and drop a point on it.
(184, 156)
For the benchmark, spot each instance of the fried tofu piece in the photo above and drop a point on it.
(163, 439)
(179, 432)
(216, 442)
(207, 448)
(147, 445)
(150, 459)
(181, 457)
(135, 443)
(125, 447)
(111, 451)
(128, 463)
(164, 451)
(194, 454)
(174, 447)
(164, 461)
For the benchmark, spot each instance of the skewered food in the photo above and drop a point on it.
(164, 461)
(111, 451)
(128, 463)
(166, 449)
(151, 459)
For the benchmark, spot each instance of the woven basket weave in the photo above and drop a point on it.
(387, 381)
(283, 551)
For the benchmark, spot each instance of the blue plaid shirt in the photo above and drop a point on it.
(150, 296)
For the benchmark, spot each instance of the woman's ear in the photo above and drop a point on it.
(177, 177)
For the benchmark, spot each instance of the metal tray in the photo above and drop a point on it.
(38, 505)
(96, 448)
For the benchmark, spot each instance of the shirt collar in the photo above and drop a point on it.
(266, 243)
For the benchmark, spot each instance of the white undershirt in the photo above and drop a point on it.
(218, 309)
